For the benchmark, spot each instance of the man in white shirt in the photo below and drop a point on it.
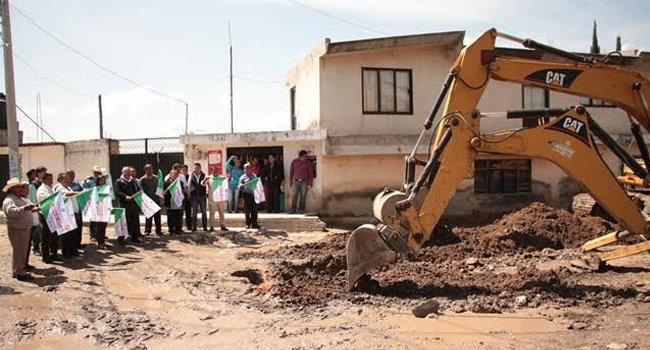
(69, 239)
(50, 240)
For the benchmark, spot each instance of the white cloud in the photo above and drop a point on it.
(134, 113)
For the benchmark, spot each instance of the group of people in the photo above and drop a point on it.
(27, 226)
(301, 178)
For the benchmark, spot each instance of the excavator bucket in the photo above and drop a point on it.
(365, 251)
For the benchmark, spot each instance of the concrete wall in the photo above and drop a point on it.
(350, 183)
(305, 78)
(81, 156)
(50, 155)
(341, 95)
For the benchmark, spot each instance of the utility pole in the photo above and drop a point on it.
(101, 118)
(187, 116)
(12, 124)
(232, 127)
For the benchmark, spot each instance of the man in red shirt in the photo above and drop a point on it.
(301, 179)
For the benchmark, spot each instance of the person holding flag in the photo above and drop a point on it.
(197, 197)
(174, 195)
(253, 193)
(19, 211)
(125, 187)
(150, 186)
(104, 208)
(69, 238)
(217, 189)
(50, 239)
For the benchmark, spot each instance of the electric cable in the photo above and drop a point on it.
(343, 20)
(32, 120)
(91, 60)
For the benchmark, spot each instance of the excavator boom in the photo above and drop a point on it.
(566, 139)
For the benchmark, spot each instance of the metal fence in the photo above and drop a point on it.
(151, 145)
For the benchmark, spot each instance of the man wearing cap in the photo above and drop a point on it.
(19, 212)
(300, 179)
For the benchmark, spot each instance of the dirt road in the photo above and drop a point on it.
(278, 290)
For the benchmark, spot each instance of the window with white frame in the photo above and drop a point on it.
(386, 91)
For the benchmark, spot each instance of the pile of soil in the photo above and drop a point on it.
(532, 228)
(483, 269)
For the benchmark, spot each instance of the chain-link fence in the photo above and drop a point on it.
(151, 145)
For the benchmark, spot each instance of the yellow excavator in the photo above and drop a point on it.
(564, 136)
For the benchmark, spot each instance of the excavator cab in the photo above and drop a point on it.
(407, 216)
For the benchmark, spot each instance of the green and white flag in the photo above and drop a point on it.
(258, 190)
(59, 216)
(88, 201)
(109, 183)
(104, 207)
(176, 192)
(119, 218)
(148, 206)
(220, 189)
(160, 186)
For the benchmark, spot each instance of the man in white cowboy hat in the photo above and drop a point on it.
(19, 211)
(91, 181)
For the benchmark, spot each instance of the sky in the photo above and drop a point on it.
(125, 49)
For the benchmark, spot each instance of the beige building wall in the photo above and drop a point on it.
(341, 95)
(305, 78)
(81, 156)
(49, 155)
(351, 182)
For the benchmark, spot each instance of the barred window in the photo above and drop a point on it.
(386, 91)
(502, 175)
(594, 102)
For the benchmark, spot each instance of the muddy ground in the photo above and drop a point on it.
(505, 284)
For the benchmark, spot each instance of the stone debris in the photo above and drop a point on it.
(423, 310)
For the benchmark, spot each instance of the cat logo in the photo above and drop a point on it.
(573, 124)
(555, 77)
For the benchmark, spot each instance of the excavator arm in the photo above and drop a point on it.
(567, 140)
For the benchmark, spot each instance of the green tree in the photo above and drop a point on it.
(594, 41)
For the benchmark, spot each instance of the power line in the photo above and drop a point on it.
(205, 87)
(50, 80)
(89, 59)
(337, 18)
(35, 123)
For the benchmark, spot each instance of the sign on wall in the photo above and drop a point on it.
(215, 162)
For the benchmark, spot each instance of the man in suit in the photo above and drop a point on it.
(125, 187)
(273, 179)
(197, 197)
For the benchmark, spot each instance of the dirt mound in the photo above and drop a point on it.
(501, 269)
(532, 228)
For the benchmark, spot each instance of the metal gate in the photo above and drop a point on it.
(162, 153)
